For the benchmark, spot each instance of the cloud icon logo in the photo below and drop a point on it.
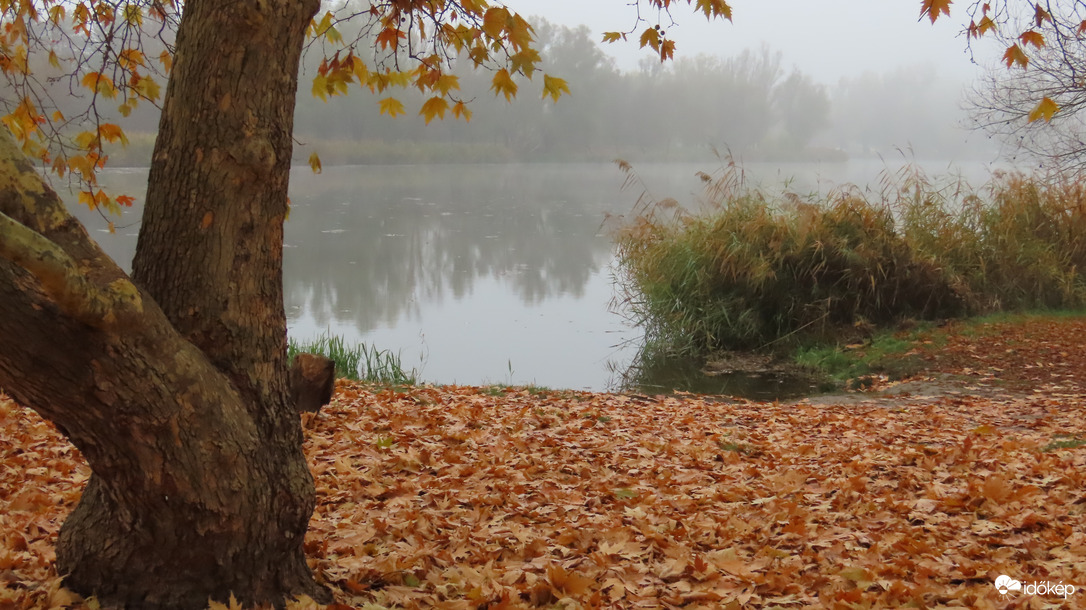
(1005, 584)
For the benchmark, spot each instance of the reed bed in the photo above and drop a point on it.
(752, 269)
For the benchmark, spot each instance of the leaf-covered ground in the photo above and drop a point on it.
(450, 497)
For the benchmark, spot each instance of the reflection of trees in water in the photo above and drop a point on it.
(372, 244)
(368, 245)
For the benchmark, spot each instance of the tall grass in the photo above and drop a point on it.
(358, 361)
(752, 268)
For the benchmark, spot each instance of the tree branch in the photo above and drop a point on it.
(62, 281)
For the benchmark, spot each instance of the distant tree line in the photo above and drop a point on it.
(749, 105)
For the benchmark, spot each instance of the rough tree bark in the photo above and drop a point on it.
(174, 384)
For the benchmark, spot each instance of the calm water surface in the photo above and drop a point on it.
(474, 274)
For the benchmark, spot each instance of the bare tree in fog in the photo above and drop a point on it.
(1003, 100)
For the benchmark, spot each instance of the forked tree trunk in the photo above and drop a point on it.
(174, 385)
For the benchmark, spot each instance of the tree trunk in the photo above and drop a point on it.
(174, 384)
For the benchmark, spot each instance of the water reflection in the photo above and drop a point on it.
(368, 246)
(475, 273)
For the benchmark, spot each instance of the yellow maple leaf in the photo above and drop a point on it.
(57, 14)
(435, 106)
(360, 70)
(130, 58)
(1044, 110)
(133, 15)
(315, 163)
(92, 80)
(554, 87)
(519, 33)
(461, 110)
(495, 21)
(502, 84)
(616, 36)
(525, 61)
(112, 133)
(146, 87)
(446, 83)
(325, 24)
(321, 87)
(392, 107)
(87, 140)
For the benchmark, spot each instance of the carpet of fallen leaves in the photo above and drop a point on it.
(1035, 354)
(451, 497)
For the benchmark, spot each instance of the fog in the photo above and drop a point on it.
(821, 95)
(827, 39)
(788, 81)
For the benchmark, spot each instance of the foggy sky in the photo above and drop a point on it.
(828, 39)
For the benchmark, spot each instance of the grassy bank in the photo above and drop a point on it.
(759, 270)
(1023, 349)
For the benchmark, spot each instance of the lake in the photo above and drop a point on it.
(474, 274)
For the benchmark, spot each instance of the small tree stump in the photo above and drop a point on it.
(312, 381)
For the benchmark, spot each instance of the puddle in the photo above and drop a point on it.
(688, 375)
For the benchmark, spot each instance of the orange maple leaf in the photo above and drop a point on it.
(1015, 55)
(1032, 37)
(934, 8)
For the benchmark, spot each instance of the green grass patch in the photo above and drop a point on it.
(494, 390)
(894, 354)
(358, 362)
(1065, 442)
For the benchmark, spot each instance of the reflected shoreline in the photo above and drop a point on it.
(475, 274)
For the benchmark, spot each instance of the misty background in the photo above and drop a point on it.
(815, 85)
